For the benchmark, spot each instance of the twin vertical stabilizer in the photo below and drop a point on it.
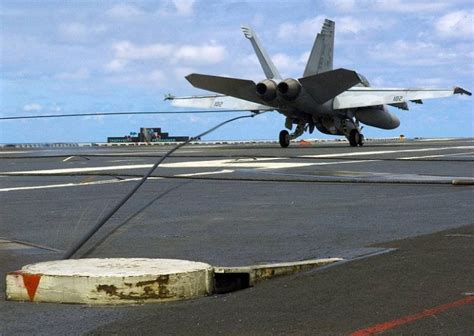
(320, 59)
(268, 67)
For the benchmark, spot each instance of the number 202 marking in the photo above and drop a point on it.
(398, 98)
(218, 104)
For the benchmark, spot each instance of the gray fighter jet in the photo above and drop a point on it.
(333, 101)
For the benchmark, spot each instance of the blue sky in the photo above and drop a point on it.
(91, 56)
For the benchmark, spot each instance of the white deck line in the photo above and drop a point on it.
(67, 185)
(223, 171)
(77, 170)
(258, 164)
(433, 156)
(387, 152)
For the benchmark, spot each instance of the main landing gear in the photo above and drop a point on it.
(284, 139)
(356, 138)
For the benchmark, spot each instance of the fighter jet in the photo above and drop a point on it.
(335, 102)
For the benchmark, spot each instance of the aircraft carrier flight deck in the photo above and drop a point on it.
(399, 214)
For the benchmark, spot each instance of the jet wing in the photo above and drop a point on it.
(235, 87)
(216, 101)
(367, 96)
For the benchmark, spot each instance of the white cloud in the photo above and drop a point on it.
(407, 6)
(78, 32)
(400, 6)
(287, 65)
(458, 24)
(116, 65)
(125, 51)
(430, 82)
(342, 5)
(169, 8)
(344, 25)
(156, 76)
(308, 27)
(379, 81)
(206, 53)
(416, 53)
(181, 72)
(125, 11)
(129, 51)
(32, 107)
(348, 24)
(177, 7)
(290, 66)
(184, 7)
(79, 74)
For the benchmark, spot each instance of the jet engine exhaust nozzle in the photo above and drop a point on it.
(290, 88)
(267, 89)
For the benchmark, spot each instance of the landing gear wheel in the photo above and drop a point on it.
(284, 139)
(354, 138)
(361, 139)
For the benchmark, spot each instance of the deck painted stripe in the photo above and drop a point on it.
(78, 170)
(381, 327)
(258, 164)
(223, 171)
(434, 156)
(14, 152)
(67, 185)
(388, 152)
(126, 160)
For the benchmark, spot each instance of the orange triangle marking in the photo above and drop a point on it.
(31, 282)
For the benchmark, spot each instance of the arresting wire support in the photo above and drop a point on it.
(69, 253)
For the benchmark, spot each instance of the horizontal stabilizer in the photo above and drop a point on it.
(327, 85)
(235, 87)
(367, 96)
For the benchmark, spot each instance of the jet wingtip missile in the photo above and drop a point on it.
(169, 96)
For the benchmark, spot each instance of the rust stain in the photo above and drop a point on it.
(151, 289)
(161, 280)
(108, 289)
(112, 290)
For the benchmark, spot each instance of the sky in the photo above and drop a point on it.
(93, 56)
